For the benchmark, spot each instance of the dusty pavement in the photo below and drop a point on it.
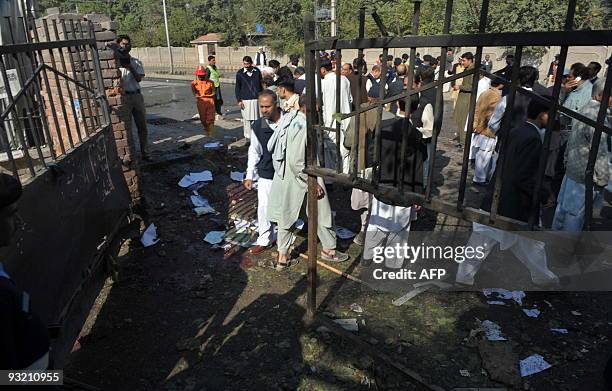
(184, 317)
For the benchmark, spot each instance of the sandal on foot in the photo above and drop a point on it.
(337, 257)
(286, 265)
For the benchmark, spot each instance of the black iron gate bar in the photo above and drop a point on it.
(94, 112)
(397, 195)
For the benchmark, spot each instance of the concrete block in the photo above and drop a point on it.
(109, 25)
(106, 54)
(96, 18)
(52, 11)
(111, 73)
(105, 36)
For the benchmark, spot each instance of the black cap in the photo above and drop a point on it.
(10, 190)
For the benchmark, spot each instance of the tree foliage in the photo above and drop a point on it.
(282, 19)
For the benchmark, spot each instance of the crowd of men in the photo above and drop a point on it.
(519, 130)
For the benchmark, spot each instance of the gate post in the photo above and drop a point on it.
(311, 160)
(93, 65)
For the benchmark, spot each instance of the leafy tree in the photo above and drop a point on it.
(143, 19)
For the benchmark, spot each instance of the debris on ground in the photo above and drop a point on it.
(347, 324)
(504, 294)
(237, 176)
(356, 308)
(533, 364)
(500, 362)
(413, 293)
(195, 178)
(464, 372)
(149, 236)
(491, 330)
(213, 145)
(560, 331)
(214, 237)
(532, 313)
(204, 210)
(197, 200)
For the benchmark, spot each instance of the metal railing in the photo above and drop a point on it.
(482, 39)
(53, 97)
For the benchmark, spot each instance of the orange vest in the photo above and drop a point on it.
(203, 89)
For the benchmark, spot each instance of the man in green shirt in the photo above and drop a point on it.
(215, 78)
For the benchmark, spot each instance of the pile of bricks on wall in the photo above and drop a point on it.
(105, 33)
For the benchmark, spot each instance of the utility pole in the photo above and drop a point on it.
(334, 24)
(168, 37)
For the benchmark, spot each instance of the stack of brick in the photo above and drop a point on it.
(89, 121)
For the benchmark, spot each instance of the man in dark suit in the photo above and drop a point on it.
(521, 164)
(518, 185)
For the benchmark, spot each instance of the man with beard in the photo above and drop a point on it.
(260, 165)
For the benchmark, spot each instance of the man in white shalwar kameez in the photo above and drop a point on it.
(328, 90)
(260, 166)
(289, 189)
(388, 224)
(483, 84)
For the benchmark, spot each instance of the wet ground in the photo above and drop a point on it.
(182, 316)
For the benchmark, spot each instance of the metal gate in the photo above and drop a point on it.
(397, 195)
(56, 137)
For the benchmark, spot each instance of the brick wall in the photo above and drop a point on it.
(87, 115)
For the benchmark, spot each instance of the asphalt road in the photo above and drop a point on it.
(173, 99)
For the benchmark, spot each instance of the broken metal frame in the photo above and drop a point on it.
(42, 67)
(397, 195)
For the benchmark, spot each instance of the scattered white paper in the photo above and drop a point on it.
(464, 372)
(549, 304)
(149, 236)
(533, 364)
(356, 308)
(560, 331)
(344, 233)
(347, 324)
(199, 201)
(194, 178)
(532, 313)
(242, 225)
(196, 186)
(204, 176)
(576, 313)
(496, 302)
(492, 331)
(237, 176)
(185, 181)
(214, 237)
(213, 145)
(504, 294)
(204, 210)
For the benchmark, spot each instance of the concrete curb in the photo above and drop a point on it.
(168, 76)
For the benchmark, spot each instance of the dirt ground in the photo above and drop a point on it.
(182, 316)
